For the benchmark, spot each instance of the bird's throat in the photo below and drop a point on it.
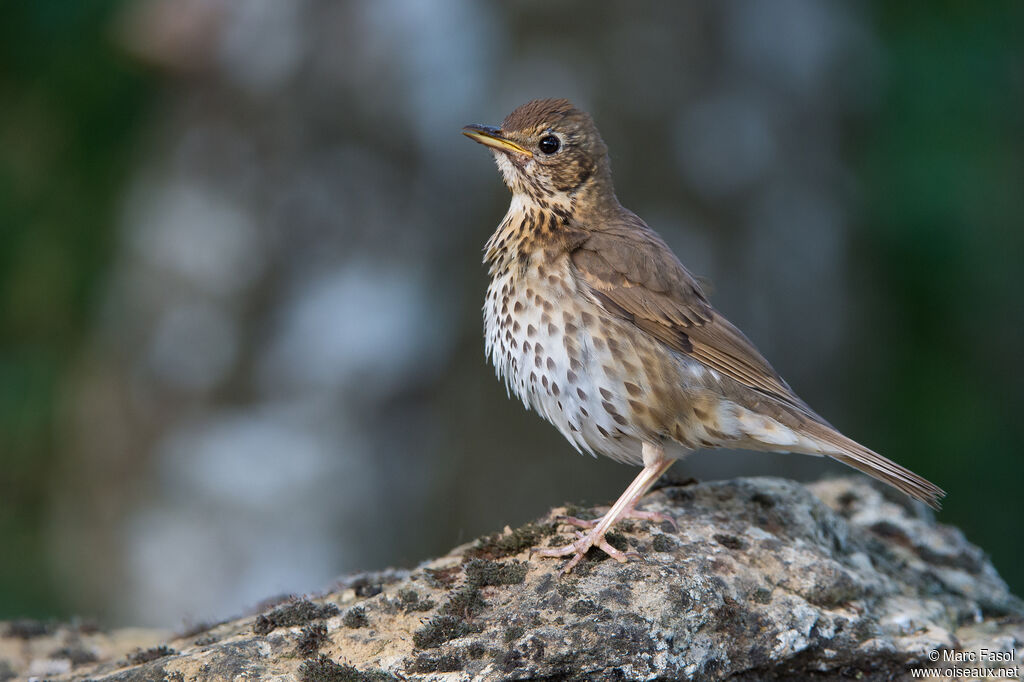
(529, 226)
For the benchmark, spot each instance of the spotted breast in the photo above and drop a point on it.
(578, 368)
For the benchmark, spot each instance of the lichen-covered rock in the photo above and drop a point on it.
(763, 579)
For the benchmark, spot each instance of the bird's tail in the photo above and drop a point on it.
(849, 452)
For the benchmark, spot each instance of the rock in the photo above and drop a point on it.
(765, 578)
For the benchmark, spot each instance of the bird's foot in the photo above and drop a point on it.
(584, 541)
(655, 517)
(655, 465)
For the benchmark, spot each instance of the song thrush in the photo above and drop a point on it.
(594, 323)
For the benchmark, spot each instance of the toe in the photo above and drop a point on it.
(578, 522)
(655, 517)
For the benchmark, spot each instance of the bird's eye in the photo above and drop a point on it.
(549, 144)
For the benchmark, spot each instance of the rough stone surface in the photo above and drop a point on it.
(765, 579)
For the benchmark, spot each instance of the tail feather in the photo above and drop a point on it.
(778, 427)
(853, 454)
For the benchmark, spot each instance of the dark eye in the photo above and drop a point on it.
(549, 144)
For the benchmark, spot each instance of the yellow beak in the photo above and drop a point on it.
(493, 138)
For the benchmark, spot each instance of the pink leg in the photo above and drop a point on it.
(655, 464)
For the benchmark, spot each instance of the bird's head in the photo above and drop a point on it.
(549, 150)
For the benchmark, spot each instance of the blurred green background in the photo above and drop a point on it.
(70, 118)
(929, 371)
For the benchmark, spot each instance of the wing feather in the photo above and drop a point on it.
(634, 275)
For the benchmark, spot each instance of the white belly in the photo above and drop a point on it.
(538, 341)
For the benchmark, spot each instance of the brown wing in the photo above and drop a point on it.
(634, 275)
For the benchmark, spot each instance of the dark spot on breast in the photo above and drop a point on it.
(551, 364)
(606, 394)
(544, 381)
(531, 330)
(598, 343)
(526, 346)
(632, 388)
(555, 391)
(538, 301)
(537, 361)
(608, 407)
(575, 364)
(587, 319)
(570, 328)
(552, 329)
(515, 326)
(545, 318)
(637, 406)
(523, 258)
(539, 349)
(601, 430)
(584, 412)
(533, 377)
(581, 393)
(570, 376)
(700, 414)
(518, 307)
(548, 306)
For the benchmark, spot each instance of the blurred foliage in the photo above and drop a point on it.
(943, 169)
(71, 104)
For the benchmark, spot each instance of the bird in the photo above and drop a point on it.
(593, 322)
